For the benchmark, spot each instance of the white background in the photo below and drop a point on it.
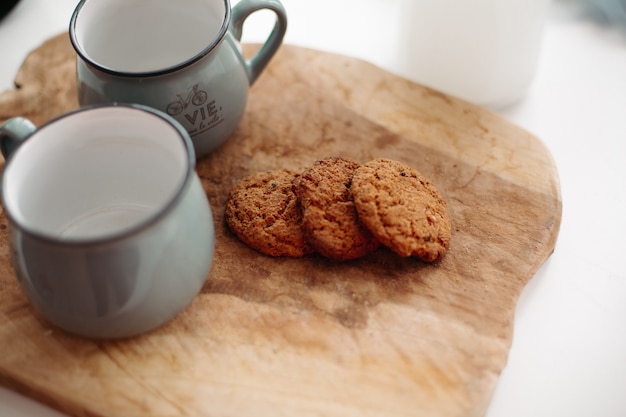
(569, 349)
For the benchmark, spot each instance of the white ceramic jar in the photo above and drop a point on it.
(483, 51)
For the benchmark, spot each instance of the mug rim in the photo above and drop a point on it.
(146, 223)
(167, 70)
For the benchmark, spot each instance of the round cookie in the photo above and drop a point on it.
(330, 220)
(402, 209)
(263, 211)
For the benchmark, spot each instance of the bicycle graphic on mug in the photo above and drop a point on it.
(196, 97)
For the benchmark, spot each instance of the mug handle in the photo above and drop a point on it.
(13, 133)
(240, 13)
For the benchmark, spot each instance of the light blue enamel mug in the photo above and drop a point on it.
(181, 57)
(110, 230)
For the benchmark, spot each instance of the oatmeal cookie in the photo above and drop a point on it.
(263, 212)
(330, 220)
(402, 209)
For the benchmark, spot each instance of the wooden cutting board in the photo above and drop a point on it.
(378, 336)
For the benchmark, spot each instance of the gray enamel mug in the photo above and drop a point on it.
(181, 57)
(110, 230)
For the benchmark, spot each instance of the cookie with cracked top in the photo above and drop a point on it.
(263, 212)
(330, 220)
(402, 208)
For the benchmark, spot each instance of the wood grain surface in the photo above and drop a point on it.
(382, 335)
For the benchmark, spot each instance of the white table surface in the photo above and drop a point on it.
(568, 356)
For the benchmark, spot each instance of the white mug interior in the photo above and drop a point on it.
(142, 36)
(96, 174)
